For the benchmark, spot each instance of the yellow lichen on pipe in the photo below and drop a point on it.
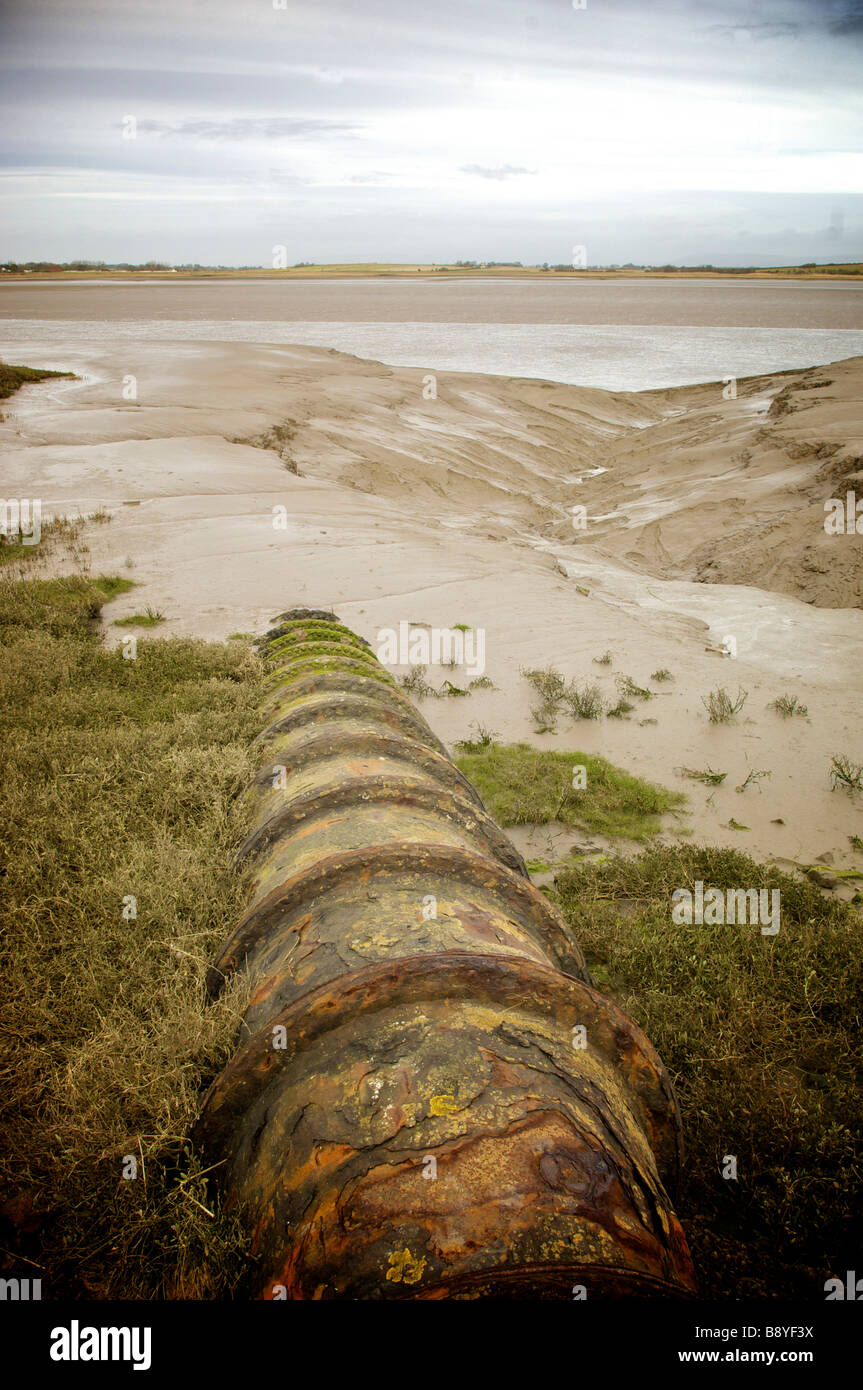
(432, 1100)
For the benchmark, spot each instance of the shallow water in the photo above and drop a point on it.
(612, 356)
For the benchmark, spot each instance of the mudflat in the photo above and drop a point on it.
(750, 303)
(664, 527)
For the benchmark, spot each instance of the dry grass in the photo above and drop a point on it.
(121, 783)
(762, 1038)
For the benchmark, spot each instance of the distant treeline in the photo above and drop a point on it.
(58, 267)
(43, 266)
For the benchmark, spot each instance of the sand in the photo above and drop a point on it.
(704, 520)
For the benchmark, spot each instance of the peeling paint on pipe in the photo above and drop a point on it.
(431, 1099)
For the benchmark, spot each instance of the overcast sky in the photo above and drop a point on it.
(431, 130)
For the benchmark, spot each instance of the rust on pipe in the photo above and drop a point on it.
(431, 1099)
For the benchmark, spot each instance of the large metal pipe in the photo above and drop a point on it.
(431, 1100)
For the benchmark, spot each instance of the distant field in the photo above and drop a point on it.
(410, 270)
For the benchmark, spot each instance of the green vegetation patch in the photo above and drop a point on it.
(56, 606)
(762, 1038)
(314, 634)
(12, 378)
(61, 532)
(521, 785)
(290, 670)
(296, 651)
(122, 814)
(302, 630)
(151, 618)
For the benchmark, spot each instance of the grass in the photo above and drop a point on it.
(622, 708)
(418, 688)
(416, 685)
(762, 1039)
(151, 618)
(582, 699)
(752, 779)
(121, 782)
(846, 774)
(56, 532)
(449, 689)
(705, 775)
(484, 739)
(721, 707)
(788, 705)
(521, 785)
(663, 674)
(13, 378)
(604, 660)
(59, 607)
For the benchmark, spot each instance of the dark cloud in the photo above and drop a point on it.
(847, 24)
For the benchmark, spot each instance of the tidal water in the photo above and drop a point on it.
(618, 335)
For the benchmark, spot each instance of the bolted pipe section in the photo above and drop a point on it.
(431, 1099)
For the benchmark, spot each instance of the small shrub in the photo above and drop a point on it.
(620, 709)
(788, 705)
(627, 687)
(584, 700)
(846, 774)
(484, 739)
(721, 708)
(416, 685)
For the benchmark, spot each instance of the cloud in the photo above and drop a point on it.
(237, 100)
(747, 30)
(501, 171)
(250, 128)
(850, 23)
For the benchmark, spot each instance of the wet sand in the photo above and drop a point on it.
(751, 303)
(704, 521)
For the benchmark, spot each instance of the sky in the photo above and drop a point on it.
(221, 131)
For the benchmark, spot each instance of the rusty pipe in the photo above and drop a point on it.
(431, 1099)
